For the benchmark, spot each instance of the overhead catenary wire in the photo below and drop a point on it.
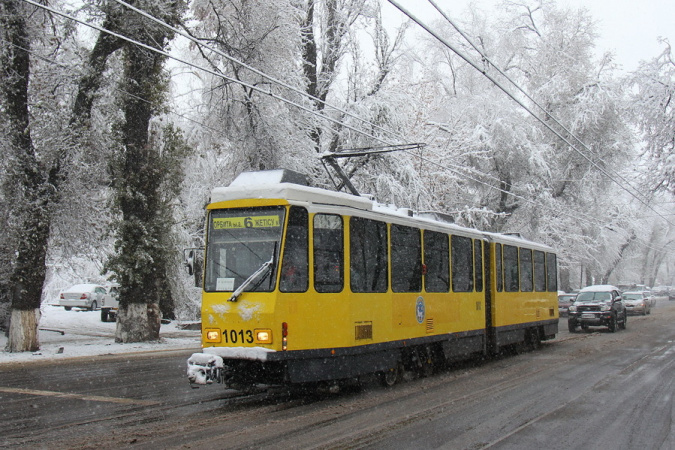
(519, 102)
(250, 86)
(251, 68)
(525, 93)
(281, 98)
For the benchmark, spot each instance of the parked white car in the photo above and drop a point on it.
(110, 303)
(87, 296)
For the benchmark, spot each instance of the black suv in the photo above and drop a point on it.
(599, 305)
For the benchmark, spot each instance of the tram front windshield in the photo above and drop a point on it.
(242, 242)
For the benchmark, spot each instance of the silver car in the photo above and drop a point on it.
(87, 296)
(637, 302)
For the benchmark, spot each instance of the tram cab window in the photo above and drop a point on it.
(328, 253)
(406, 259)
(539, 271)
(437, 261)
(462, 264)
(551, 272)
(511, 268)
(526, 270)
(295, 264)
(240, 242)
(368, 255)
(478, 262)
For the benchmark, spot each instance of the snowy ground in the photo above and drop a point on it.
(85, 335)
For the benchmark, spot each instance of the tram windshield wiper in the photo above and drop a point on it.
(260, 272)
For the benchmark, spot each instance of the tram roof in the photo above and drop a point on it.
(299, 194)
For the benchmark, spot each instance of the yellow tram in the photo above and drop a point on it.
(305, 285)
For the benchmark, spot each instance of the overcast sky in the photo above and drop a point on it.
(628, 28)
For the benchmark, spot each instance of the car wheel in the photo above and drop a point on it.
(104, 315)
(67, 308)
(572, 326)
(625, 321)
(612, 325)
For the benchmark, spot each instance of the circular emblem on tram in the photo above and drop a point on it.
(420, 311)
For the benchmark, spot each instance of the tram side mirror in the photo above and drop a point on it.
(192, 259)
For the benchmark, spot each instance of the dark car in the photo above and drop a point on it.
(599, 305)
(564, 302)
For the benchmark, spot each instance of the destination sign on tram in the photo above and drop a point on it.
(230, 223)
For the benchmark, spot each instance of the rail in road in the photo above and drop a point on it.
(589, 389)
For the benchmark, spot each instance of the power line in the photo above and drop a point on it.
(548, 114)
(520, 103)
(278, 97)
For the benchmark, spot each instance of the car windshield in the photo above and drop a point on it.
(632, 296)
(240, 242)
(594, 297)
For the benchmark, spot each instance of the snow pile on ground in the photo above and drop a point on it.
(85, 335)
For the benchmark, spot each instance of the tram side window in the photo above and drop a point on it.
(478, 262)
(498, 268)
(552, 272)
(406, 259)
(510, 268)
(368, 255)
(526, 270)
(462, 264)
(437, 261)
(539, 271)
(328, 253)
(295, 265)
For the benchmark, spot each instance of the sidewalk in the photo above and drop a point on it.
(85, 335)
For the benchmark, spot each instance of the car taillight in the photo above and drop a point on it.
(84, 296)
(62, 295)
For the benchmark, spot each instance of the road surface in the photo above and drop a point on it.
(589, 389)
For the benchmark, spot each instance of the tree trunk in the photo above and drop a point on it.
(23, 336)
(138, 322)
(26, 189)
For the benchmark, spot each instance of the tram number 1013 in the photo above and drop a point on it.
(238, 336)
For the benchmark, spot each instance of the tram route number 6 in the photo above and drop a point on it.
(238, 336)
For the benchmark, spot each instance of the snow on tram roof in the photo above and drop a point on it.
(262, 187)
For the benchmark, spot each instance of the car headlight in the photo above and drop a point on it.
(605, 307)
(572, 308)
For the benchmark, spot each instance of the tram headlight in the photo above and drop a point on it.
(212, 335)
(263, 336)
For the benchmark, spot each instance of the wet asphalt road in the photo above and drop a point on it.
(591, 389)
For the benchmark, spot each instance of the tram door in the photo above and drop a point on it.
(490, 336)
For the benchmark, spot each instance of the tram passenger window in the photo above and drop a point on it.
(368, 255)
(437, 260)
(510, 268)
(539, 271)
(498, 268)
(551, 272)
(295, 265)
(328, 253)
(462, 264)
(406, 259)
(478, 260)
(526, 270)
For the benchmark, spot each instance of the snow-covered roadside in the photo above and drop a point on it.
(85, 335)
